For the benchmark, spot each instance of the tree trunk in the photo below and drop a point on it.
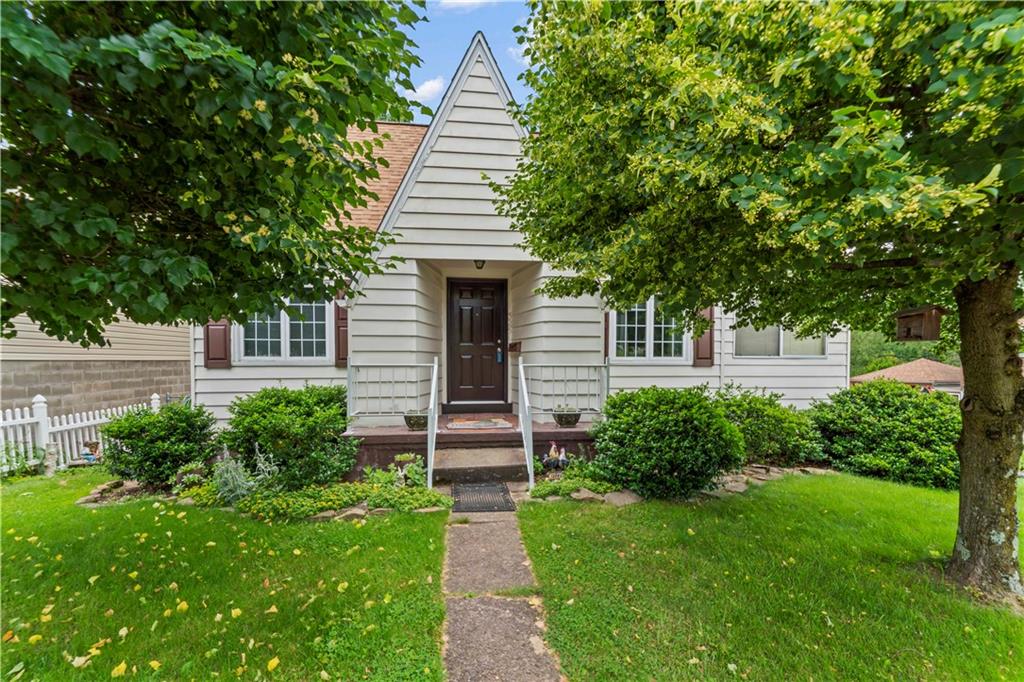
(985, 554)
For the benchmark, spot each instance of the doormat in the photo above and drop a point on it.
(482, 497)
(456, 423)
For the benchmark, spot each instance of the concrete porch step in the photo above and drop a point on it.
(479, 465)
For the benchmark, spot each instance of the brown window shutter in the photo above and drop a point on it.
(217, 345)
(340, 334)
(704, 347)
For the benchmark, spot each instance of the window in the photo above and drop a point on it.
(307, 333)
(776, 342)
(262, 336)
(644, 333)
(301, 337)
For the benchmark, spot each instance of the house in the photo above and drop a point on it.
(141, 360)
(465, 295)
(923, 373)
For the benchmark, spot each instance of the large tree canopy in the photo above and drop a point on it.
(187, 161)
(810, 164)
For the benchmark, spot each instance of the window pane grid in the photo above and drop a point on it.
(668, 342)
(631, 332)
(307, 332)
(262, 336)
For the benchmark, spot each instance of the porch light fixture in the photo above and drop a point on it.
(479, 264)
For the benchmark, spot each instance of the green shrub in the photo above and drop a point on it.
(150, 446)
(890, 430)
(407, 471)
(407, 499)
(300, 504)
(190, 475)
(232, 480)
(772, 432)
(204, 495)
(566, 486)
(299, 430)
(665, 443)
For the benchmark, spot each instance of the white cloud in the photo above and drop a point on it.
(463, 5)
(516, 53)
(427, 91)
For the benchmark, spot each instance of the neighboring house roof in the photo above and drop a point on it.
(917, 372)
(399, 151)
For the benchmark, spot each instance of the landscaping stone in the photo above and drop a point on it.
(379, 511)
(584, 495)
(131, 487)
(621, 498)
(429, 510)
(352, 513)
(553, 498)
(186, 502)
(326, 515)
(717, 493)
(88, 499)
(735, 487)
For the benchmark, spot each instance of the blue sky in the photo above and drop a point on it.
(444, 37)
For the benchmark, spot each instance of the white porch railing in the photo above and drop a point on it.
(526, 421)
(390, 390)
(432, 425)
(26, 433)
(580, 388)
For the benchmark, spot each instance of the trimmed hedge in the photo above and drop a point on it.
(150, 446)
(772, 432)
(301, 430)
(665, 443)
(886, 429)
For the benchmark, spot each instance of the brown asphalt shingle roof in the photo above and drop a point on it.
(404, 140)
(919, 372)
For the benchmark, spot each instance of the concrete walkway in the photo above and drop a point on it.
(489, 636)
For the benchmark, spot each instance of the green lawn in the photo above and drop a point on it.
(831, 577)
(204, 592)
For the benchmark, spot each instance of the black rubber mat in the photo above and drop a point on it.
(482, 497)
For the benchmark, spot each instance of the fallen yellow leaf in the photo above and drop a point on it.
(155, 665)
(235, 613)
(119, 669)
(272, 609)
(182, 607)
(273, 663)
(35, 639)
(296, 551)
(92, 580)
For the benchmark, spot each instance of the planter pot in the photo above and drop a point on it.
(567, 419)
(416, 422)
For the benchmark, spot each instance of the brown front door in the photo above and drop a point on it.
(476, 340)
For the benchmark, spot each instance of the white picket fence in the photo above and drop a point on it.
(26, 432)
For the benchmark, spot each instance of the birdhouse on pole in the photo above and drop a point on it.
(919, 324)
